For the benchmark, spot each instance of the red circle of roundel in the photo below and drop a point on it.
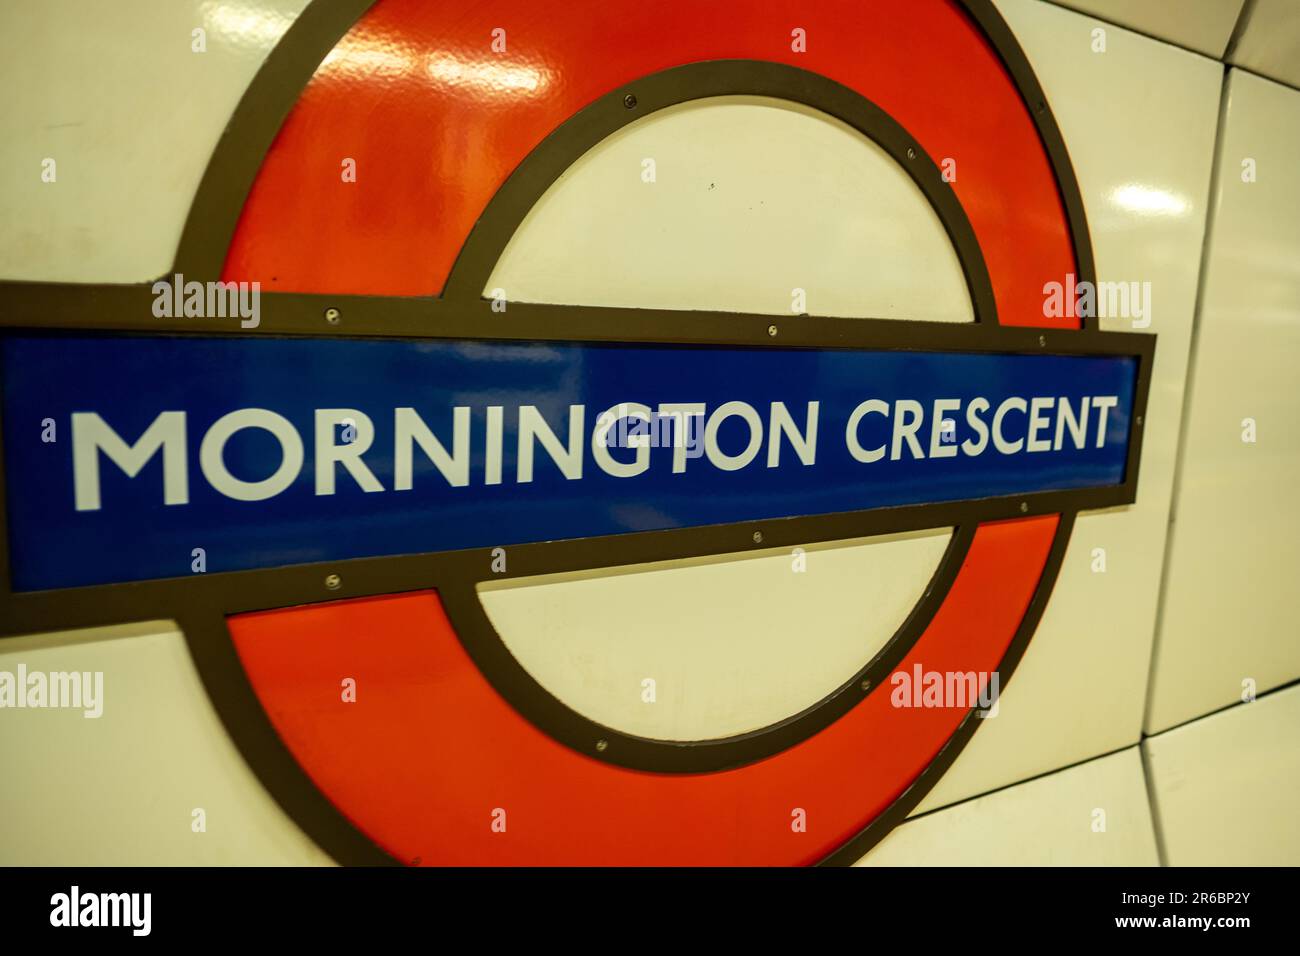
(415, 95)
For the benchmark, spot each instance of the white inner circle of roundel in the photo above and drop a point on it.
(730, 204)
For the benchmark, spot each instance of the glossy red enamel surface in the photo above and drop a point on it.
(429, 750)
(436, 121)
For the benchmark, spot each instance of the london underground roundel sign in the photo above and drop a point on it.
(375, 434)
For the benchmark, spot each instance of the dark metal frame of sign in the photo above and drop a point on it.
(201, 604)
